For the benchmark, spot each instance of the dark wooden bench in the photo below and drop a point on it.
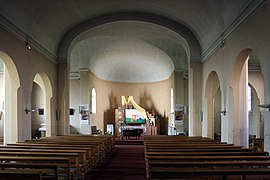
(102, 145)
(102, 148)
(184, 157)
(59, 161)
(208, 173)
(92, 151)
(13, 175)
(74, 165)
(206, 153)
(76, 155)
(82, 154)
(28, 171)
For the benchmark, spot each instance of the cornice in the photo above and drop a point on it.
(251, 7)
(20, 34)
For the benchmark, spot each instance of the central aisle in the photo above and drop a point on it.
(126, 163)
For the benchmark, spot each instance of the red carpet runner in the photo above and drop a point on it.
(127, 163)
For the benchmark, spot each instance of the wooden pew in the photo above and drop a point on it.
(90, 152)
(208, 158)
(110, 139)
(74, 159)
(44, 160)
(83, 145)
(208, 173)
(107, 141)
(176, 158)
(99, 145)
(173, 138)
(198, 150)
(28, 170)
(102, 144)
(193, 148)
(178, 145)
(14, 175)
(206, 153)
(84, 152)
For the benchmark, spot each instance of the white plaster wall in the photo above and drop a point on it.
(74, 104)
(257, 81)
(255, 119)
(2, 99)
(180, 89)
(253, 34)
(38, 101)
(195, 100)
(217, 109)
(28, 64)
(151, 96)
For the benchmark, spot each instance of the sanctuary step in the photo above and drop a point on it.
(131, 141)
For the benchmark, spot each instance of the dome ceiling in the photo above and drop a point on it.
(132, 61)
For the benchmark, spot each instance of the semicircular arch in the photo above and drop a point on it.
(12, 88)
(211, 87)
(44, 82)
(187, 34)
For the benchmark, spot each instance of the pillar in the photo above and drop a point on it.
(85, 128)
(195, 99)
(62, 111)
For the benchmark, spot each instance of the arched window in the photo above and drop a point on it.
(172, 102)
(94, 101)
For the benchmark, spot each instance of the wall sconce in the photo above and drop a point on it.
(223, 43)
(71, 111)
(28, 46)
(223, 112)
(266, 106)
(27, 110)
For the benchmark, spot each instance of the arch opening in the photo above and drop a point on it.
(155, 51)
(212, 123)
(41, 96)
(9, 93)
(246, 71)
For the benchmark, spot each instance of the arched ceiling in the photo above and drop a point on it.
(129, 51)
(45, 23)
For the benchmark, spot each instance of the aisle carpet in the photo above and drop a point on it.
(126, 163)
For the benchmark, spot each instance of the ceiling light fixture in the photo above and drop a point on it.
(28, 46)
(223, 112)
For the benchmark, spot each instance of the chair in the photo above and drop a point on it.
(94, 130)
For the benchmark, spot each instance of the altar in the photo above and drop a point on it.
(133, 120)
(134, 128)
(132, 131)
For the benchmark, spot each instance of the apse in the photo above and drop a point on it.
(129, 52)
(131, 60)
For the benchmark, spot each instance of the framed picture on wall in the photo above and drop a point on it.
(84, 111)
(179, 112)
